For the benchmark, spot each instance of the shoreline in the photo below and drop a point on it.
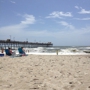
(60, 50)
(49, 54)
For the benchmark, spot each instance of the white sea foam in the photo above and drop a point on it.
(87, 47)
(56, 50)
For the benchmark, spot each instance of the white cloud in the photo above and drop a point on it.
(17, 29)
(83, 11)
(13, 2)
(59, 37)
(82, 18)
(76, 7)
(66, 24)
(62, 37)
(29, 19)
(57, 14)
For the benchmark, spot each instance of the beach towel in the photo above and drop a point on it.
(1, 54)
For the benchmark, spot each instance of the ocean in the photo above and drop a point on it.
(59, 50)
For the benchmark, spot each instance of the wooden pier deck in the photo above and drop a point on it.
(26, 44)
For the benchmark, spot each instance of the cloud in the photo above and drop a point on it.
(12, 29)
(61, 37)
(13, 2)
(17, 29)
(76, 7)
(82, 18)
(29, 19)
(83, 11)
(57, 14)
(22, 31)
(66, 24)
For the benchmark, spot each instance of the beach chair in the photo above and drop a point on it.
(7, 52)
(21, 52)
(12, 55)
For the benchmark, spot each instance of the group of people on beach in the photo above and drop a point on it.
(9, 51)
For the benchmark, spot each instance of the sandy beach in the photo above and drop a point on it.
(45, 72)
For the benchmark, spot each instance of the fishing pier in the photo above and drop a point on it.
(16, 44)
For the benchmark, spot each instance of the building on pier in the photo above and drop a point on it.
(16, 44)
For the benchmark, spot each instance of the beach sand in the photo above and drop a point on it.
(45, 72)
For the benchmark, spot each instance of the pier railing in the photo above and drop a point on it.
(26, 44)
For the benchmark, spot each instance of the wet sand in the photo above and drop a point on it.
(45, 72)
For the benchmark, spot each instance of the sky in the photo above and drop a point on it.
(62, 22)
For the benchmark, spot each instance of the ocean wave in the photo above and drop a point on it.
(54, 50)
